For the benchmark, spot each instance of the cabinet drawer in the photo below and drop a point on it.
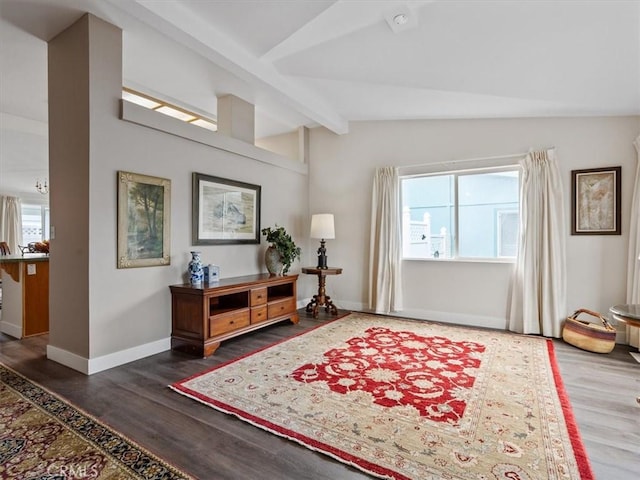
(228, 322)
(258, 314)
(282, 307)
(258, 296)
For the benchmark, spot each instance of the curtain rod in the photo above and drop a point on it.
(478, 159)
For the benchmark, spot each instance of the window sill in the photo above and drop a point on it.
(461, 260)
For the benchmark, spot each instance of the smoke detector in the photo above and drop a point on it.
(401, 18)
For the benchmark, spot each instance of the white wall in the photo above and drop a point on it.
(126, 313)
(137, 306)
(285, 144)
(340, 181)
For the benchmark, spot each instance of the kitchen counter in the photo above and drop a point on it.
(25, 294)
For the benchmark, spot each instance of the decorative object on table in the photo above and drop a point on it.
(35, 247)
(211, 273)
(593, 337)
(42, 187)
(195, 270)
(24, 249)
(595, 201)
(144, 220)
(282, 252)
(321, 299)
(224, 211)
(408, 399)
(322, 227)
(41, 247)
(47, 437)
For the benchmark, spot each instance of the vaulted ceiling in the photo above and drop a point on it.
(321, 62)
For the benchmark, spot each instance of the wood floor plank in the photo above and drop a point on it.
(135, 400)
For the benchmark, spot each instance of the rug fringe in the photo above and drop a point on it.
(307, 442)
(579, 450)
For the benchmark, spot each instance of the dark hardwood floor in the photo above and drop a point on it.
(134, 399)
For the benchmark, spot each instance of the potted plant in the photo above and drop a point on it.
(282, 251)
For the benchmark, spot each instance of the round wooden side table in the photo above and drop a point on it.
(321, 299)
(630, 315)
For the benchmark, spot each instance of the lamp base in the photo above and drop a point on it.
(322, 255)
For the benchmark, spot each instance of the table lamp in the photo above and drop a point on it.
(322, 228)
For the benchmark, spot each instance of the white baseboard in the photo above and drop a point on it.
(11, 329)
(89, 366)
(435, 316)
(68, 359)
(455, 318)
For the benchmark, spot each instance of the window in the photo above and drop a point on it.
(35, 223)
(467, 214)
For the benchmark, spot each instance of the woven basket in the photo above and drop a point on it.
(593, 337)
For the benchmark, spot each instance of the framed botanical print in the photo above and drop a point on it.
(595, 201)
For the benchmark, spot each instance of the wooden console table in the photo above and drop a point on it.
(204, 315)
(321, 299)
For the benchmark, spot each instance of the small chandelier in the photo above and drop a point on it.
(42, 188)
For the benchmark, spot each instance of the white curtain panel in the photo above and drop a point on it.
(538, 297)
(633, 272)
(10, 222)
(385, 261)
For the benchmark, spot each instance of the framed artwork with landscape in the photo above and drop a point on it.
(144, 222)
(595, 201)
(224, 211)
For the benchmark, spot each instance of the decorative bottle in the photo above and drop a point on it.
(196, 272)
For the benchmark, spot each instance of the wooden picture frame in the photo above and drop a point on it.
(224, 211)
(595, 201)
(144, 220)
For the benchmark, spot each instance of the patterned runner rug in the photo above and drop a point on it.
(42, 437)
(407, 399)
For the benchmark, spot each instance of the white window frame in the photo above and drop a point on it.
(455, 257)
(500, 213)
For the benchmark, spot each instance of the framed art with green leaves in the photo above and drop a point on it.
(144, 220)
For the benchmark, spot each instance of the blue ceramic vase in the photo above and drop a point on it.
(196, 272)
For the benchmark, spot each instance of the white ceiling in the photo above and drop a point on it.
(322, 62)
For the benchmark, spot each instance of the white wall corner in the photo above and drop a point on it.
(68, 359)
(89, 366)
(11, 329)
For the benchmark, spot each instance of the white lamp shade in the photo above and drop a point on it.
(322, 226)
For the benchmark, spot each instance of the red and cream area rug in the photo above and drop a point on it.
(406, 399)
